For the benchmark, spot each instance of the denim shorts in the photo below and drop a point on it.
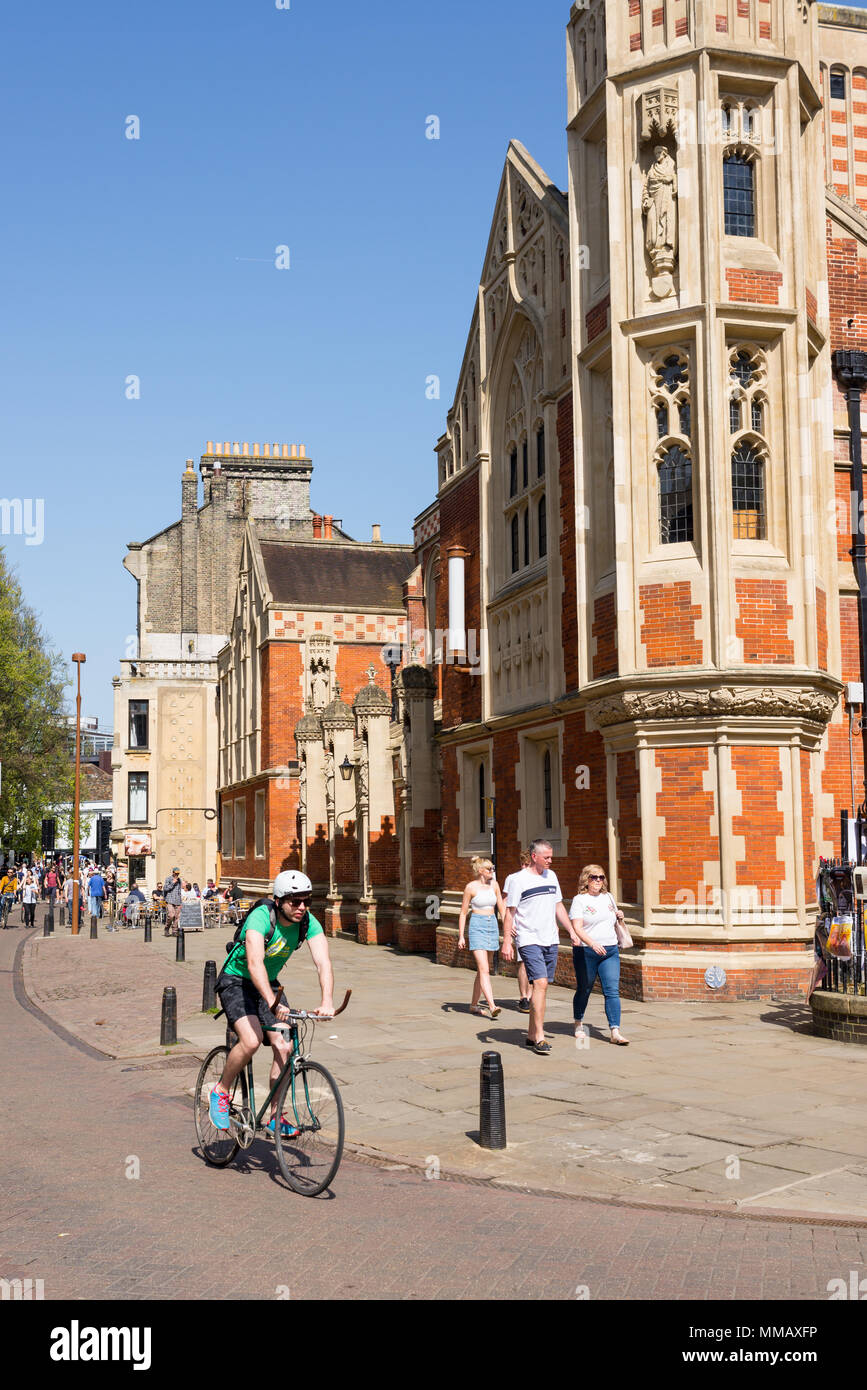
(539, 961)
(484, 934)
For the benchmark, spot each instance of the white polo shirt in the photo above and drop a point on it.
(534, 898)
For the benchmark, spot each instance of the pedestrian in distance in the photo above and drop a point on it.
(173, 891)
(523, 982)
(482, 900)
(96, 894)
(534, 911)
(132, 907)
(30, 894)
(595, 912)
(51, 886)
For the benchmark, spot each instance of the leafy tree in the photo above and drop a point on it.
(37, 772)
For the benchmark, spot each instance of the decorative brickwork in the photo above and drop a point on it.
(628, 826)
(605, 633)
(754, 286)
(690, 838)
(759, 778)
(668, 631)
(763, 621)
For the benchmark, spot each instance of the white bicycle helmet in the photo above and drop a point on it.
(290, 882)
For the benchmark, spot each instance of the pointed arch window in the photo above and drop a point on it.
(739, 193)
(748, 492)
(513, 473)
(540, 452)
(483, 819)
(542, 528)
(547, 796)
(515, 553)
(675, 496)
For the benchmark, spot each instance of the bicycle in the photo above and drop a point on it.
(307, 1159)
(5, 909)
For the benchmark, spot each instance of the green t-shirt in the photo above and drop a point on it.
(279, 948)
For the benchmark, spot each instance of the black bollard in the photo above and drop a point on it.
(180, 953)
(492, 1106)
(209, 998)
(169, 1020)
(49, 921)
(62, 912)
(93, 926)
(147, 927)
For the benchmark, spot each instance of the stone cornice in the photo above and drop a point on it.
(812, 698)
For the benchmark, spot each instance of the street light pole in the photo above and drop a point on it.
(78, 658)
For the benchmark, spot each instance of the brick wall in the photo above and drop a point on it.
(569, 610)
(596, 319)
(668, 632)
(759, 778)
(605, 633)
(763, 621)
(822, 628)
(754, 286)
(688, 811)
(847, 289)
(628, 825)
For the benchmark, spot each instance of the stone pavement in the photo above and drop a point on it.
(713, 1107)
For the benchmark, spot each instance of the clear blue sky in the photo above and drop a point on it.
(155, 257)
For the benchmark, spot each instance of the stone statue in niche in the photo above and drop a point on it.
(659, 208)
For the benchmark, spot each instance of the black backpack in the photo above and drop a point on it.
(231, 946)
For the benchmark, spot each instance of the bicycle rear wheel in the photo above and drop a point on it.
(218, 1146)
(309, 1159)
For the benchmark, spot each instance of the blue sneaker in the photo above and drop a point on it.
(287, 1131)
(218, 1109)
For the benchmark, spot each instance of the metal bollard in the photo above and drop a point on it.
(48, 924)
(93, 926)
(492, 1102)
(62, 912)
(180, 952)
(147, 927)
(169, 1020)
(209, 998)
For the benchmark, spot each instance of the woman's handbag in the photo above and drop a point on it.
(621, 931)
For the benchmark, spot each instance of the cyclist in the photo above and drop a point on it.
(247, 984)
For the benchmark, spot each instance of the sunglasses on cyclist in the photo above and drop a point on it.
(301, 900)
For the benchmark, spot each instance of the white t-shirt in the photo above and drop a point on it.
(534, 898)
(598, 914)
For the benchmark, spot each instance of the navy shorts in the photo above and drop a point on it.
(241, 999)
(540, 961)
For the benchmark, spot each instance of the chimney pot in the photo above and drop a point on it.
(285, 451)
(317, 527)
(327, 532)
(210, 447)
(226, 449)
(245, 449)
(236, 448)
(301, 451)
(377, 534)
(293, 452)
(267, 448)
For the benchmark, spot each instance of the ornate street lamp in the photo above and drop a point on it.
(346, 769)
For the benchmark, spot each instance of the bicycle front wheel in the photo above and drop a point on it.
(218, 1146)
(310, 1102)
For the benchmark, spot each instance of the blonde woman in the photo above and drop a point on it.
(595, 913)
(482, 900)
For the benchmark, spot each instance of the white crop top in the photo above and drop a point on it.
(485, 898)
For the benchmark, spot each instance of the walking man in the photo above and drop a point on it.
(534, 911)
(96, 894)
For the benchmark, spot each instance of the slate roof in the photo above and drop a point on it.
(351, 577)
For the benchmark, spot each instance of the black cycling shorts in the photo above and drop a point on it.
(241, 999)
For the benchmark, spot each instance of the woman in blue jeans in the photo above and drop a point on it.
(594, 910)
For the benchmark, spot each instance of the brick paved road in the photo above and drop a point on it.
(70, 1216)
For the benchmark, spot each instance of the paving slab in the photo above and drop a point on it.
(655, 1122)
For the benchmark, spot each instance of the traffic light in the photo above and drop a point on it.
(103, 833)
(48, 832)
